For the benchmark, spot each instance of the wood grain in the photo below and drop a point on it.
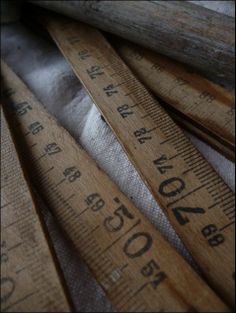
(184, 31)
(206, 109)
(129, 258)
(29, 277)
(180, 179)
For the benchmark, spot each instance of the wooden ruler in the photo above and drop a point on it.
(196, 200)
(29, 278)
(205, 108)
(137, 268)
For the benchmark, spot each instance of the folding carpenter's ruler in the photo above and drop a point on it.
(29, 278)
(196, 200)
(137, 268)
(206, 109)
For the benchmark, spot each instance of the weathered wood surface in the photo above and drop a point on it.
(29, 278)
(206, 109)
(184, 31)
(180, 179)
(137, 268)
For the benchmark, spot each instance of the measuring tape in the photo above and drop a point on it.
(29, 279)
(196, 200)
(137, 268)
(203, 107)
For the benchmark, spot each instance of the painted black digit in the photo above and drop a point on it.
(157, 67)
(145, 243)
(110, 90)
(52, 148)
(152, 270)
(73, 40)
(95, 202)
(171, 187)
(35, 128)
(116, 222)
(84, 54)
(124, 110)
(8, 92)
(94, 71)
(22, 108)
(4, 256)
(72, 174)
(212, 234)
(161, 164)
(140, 134)
(181, 82)
(207, 96)
(137, 56)
(7, 288)
(183, 219)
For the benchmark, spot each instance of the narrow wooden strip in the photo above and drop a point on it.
(125, 236)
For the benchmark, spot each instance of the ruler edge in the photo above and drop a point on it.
(42, 223)
(202, 279)
(207, 139)
(148, 54)
(125, 149)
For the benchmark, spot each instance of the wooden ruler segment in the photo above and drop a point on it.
(203, 107)
(29, 279)
(196, 200)
(137, 268)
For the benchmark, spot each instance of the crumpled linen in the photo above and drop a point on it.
(41, 66)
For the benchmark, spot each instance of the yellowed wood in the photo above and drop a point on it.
(29, 279)
(137, 268)
(211, 107)
(201, 133)
(196, 200)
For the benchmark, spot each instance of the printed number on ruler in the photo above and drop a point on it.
(196, 200)
(128, 257)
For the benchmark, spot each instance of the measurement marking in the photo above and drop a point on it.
(215, 186)
(230, 212)
(221, 196)
(15, 246)
(145, 116)
(18, 301)
(138, 307)
(174, 156)
(83, 212)
(229, 207)
(26, 134)
(226, 226)
(49, 170)
(222, 191)
(165, 141)
(232, 201)
(111, 245)
(140, 289)
(213, 205)
(123, 294)
(183, 197)
(93, 230)
(152, 129)
(134, 105)
(208, 177)
(5, 205)
(124, 267)
(193, 167)
(39, 158)
(70, 197)
(15, 222)
(20, 270)
(60, 182)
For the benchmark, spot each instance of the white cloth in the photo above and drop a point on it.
(42, 67)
